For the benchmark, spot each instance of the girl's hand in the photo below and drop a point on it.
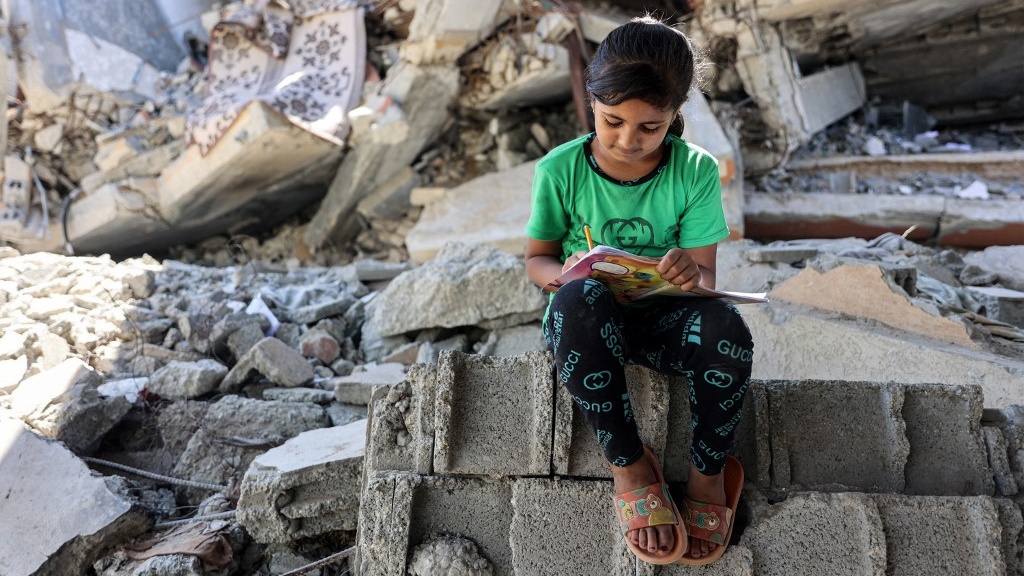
(572, 259)
(678, 267)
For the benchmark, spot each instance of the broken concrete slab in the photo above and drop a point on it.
(792, 216)
(443, 30)
(457, 288)
(57, 528)
(1007, 262)
(845, 351)
(306, 487)
(232, 425)
(64, 403)
(864, 291)
(379, 154)
(492, 209)
(842, 533)
(261, 156)
(357, 387)
(992, 165)
(978, 224)
(941, 535)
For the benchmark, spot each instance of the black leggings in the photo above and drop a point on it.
(701, 339)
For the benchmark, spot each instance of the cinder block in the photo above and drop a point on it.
(947, 450)
(816, 533)
(753, 440)
(383, 532)
(400, 510)
(576, 451)
(476, 508)
(950, 535)
(836, 435)
(566, 527)
(493, 414)
(401, 428)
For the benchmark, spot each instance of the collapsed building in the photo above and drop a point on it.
(260, 414)
(191, 120)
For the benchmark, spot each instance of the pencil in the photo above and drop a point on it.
(590, 240)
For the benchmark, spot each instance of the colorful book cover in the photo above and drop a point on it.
(631, 278)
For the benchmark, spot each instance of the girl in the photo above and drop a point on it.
(643, 189)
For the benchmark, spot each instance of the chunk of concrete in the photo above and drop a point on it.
(184, 380)
(815, 533)
(308, 486)
(814, 425)
(443, 30)
(198, 196)
(456, 288)
(64, 403)
(357, 386)
(1007, 262)
(1001, 304)
(575, 514)
(492, 209)
(274, 360)
(423, 93)
(64, 524)
(842, 350)
(513, 341)
(998, 457)
(402, 416)
(947, 449)
(941, 535)
(863, 291)
(223, 441)
(493, 415)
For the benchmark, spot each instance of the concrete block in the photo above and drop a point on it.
(493, 414)
(958, 536)
(836, 435)
(753, 439)
(577, 515)
(306, 487)
(401, 429)
(357, 386)
(797, 215)
(947, 450)
(815, 533)
(401, 510)
(273, 359)
(843, 350)
(576, 451)
(973, 224)
(1000, 304)
(58, 515)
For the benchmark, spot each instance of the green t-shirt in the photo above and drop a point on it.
(679, 204)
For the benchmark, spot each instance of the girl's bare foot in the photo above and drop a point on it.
(710, 490)
(657, 540)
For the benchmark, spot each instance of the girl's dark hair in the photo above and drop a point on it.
(644, 59)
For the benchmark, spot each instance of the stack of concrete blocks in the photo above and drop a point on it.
(842, 477)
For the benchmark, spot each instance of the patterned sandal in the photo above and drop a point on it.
(713, 522)
(650, 506)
